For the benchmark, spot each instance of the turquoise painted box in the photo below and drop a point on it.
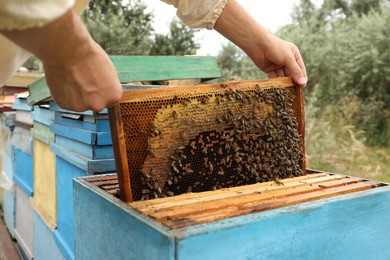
(70, 165)
(45, 246)
(317, 216)
(24, 176)
(9, 210)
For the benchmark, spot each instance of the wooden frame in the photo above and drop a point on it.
(118, 131)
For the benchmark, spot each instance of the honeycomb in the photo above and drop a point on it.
(185, 139)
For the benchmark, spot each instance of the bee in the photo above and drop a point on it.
(183, 135)
(224, 85)
(193, 145)
(174, 114)
(169, 182)
(219, 120)
(188, 170)
(221, 172)
(147, 176)
(211, 167)
(204, 151)
(174, 168)
(170, 194)
(278, 182)
(152, 153)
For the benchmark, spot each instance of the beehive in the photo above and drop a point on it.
(342, 217)
(24, 223)
(171, 141)
(45, 188)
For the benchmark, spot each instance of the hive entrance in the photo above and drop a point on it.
(193, 139)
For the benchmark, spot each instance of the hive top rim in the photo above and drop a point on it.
(147, 94)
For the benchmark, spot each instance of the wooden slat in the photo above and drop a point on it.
(107, 182)
(152, 68)
(96, 179)
(110, 187)
(266, 197)
(277, 203)
(230, 193)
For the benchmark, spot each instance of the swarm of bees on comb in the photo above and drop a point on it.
(248, 146)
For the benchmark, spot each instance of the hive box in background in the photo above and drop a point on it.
(9, 209)
(24, 224)
(68, 166)
(45, 246)
(24, 176)
(45, 188)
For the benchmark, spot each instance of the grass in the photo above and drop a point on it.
(333, 144)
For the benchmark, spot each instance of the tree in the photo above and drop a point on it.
(179, 41)
(121, 29)
(236, 65)
(346, 51)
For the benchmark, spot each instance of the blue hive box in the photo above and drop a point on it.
(70, 165)
(45, 246)
(353, 225)
(24, 176)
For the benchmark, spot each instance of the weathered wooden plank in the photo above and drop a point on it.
(39, 92)
(89, 166)
(24, 175)
(152, 68)
(21, 104)
(56, 108)
(144, 68)
(42, 132)
(263, 197)
(230, 192)
(45, 188)
(24, 223)
(85, 136)
(43, 115)
(277, 203)
(100, 125)
(92, 152)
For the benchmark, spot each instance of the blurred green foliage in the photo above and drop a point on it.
(125, 28)
(346, 48)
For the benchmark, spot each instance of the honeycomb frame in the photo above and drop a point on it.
(206, 136)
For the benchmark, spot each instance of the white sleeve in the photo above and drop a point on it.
(23, 14)
(198, 13)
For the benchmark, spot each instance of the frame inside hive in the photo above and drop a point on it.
(191, 209)
(170, 141)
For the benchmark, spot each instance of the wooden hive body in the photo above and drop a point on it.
(45, 188)
(337, 216)
(24, 223)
